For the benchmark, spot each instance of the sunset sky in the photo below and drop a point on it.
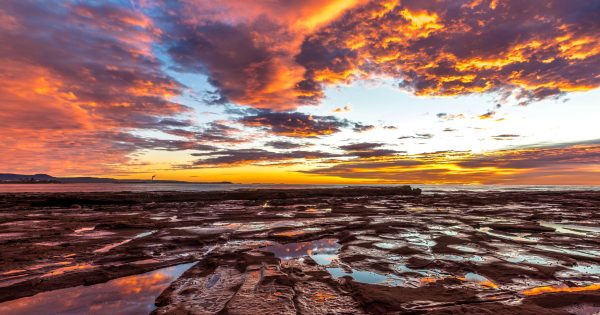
(312, 91)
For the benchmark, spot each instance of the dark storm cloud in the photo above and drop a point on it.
(286, 145)
(361, 146)
(293, 124)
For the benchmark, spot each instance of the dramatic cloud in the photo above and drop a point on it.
(294, 124)
(246, 48)
(281, 54)
(83, 74)
(91, 87)
(531, 49)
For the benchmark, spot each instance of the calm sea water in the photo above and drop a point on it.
(108, 187)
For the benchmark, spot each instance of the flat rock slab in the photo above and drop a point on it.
(199, 293)
(318, 298)
(254, 297)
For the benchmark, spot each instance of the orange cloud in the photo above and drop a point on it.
(346, 108)
(444, 48)
(487, 115)
(75, 79)
(82, 82)
(247, 48)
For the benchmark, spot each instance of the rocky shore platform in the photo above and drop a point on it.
(356, 250)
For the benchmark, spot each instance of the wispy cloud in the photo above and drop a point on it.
(560, 164)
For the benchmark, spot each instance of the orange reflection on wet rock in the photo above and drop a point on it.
(323, 296)
(128, 295)
(559, 289)
(290, 233)
(60, 271)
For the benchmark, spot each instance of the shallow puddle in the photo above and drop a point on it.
(465, 248)
(459, 258)
(568, 251)
(113, 245)
(579, 270)
(386, 245)
(418, 239)
(583, 230)
(427, 273)
(479, 279)
(366, 276)
(323, 251)
(127, 295)
(517, 256)
(517, 237)
(585, 268)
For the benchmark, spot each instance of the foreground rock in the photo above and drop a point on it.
(355, 250)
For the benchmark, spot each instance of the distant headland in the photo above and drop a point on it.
(8, 178)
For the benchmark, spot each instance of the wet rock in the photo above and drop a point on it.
(406, 251)
(201, 290)
(320, 299)
(416, 262)
(418, 250)
(255, 297)
(379, 299)
(520, 228)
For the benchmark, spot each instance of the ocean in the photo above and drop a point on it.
(188, 187)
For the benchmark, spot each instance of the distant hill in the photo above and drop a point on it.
(45, 178)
